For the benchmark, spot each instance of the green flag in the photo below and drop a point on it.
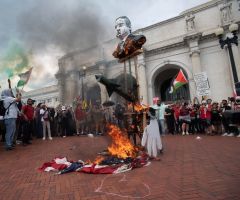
(24, 77)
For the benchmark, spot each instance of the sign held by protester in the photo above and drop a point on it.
(202, 84)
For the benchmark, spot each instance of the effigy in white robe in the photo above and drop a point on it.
(151, 138)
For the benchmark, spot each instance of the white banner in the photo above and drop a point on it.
(202, 84)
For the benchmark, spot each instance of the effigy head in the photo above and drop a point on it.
(123, 27)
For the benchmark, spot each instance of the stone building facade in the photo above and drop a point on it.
(186, 42)
(47, 95)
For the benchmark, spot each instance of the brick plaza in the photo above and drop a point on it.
(189, 169)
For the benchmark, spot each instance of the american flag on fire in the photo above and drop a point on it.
(122, 156)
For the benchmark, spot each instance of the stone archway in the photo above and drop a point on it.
(163, 81)
(93, 94)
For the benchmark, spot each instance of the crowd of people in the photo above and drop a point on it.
(21, 122)
(207, 117)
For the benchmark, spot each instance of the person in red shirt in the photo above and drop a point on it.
(176, 109)
(184, 118)
(28, 116)
(205, 116)
(80, 116)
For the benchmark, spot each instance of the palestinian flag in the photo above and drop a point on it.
(179, 81)
(24, 77)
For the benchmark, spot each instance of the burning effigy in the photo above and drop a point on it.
(121, 156)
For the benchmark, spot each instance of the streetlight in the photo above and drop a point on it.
(82, 74)
(233, 28)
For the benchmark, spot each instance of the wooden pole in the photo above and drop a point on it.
(126, 85)
(125, 76)
(137, 79)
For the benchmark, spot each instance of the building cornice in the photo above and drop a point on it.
(184, 43)
(193, 10)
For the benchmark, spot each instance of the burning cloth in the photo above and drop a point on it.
(110, 165)
(122, 156)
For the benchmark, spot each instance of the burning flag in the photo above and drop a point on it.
(24, 77)
(121, 146)
(179, 81)
(122, 156)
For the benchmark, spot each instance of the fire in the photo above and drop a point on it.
(98, 159)
(138, 107)
(121, 145)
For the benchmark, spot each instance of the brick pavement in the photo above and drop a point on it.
(190, 169)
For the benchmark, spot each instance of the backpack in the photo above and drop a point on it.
(3, 110)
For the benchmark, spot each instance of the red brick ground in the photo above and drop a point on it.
(190, 169)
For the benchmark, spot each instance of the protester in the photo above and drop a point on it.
(80, 116)
(184, 118)
(46, 122)
(2, 129)
(170, 120)
(216, 119)
(11, 114)
(71, 124)
(224, 106)
(28, 123)
(38, 122)
(161, 116)
(98, 119)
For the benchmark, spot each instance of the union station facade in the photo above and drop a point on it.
(187, 42)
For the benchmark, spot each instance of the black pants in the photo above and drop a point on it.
(27, 131)
(2, 130)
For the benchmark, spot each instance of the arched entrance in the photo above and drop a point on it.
(163, 83)
(94, 94)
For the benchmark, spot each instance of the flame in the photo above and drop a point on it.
(121, 145)
(138, 107)
(98, 159)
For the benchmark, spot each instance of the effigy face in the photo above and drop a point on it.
(130, 44)
(122, 29)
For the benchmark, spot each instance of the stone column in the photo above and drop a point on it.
(143, 91)
(71, 86)
(61, 85)
(196, 66)
(150, 94)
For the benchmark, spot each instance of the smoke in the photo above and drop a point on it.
(15, 59)
(67, 25)
(43, 31)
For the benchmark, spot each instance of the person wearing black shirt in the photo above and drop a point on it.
(224, 106)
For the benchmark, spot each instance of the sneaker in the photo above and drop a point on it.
(18, 142)
(183, 133)
(224, 134)
(230, 135)
(50, 138)
(187, 133)
(8, 148)
(238, 135)
(64, 136)
(44, 138)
